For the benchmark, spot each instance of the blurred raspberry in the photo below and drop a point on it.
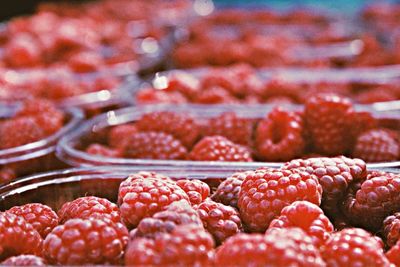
(360, 122)
(278, 247)
(40, 216)
(264, 193)
(279, 137)
(85, 62)
(391, 229)
(218, 148)
(119, 135)
(215, 95)
(24, 260)
(277, 87)
(7, 174)
(307, 216)
(152, 96)
(19, 131)
(228, 190)
(86, 242)
(393, 254)
(102, 150)
(186, 245)
(154, 145)
(22, 51)
(196, 190)
(183, 83)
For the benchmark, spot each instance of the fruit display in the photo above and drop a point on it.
(246, 135)
(28, 136)
(306, 213)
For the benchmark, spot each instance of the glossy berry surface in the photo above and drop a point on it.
(24, 260)
(228, 190)
(196, 190)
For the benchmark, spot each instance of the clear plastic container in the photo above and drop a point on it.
(38, 156)
(56, 188)
(69, 148)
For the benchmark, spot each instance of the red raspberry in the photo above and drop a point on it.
(307, 216)
(36, 107)
(279, 137)
(215, 95)
(154, 145)
(377, 145)
(177, 213)
(85, 62)
(182, 126)
(334, 174)
(377, 198)
(196, 190)
(238, 130)
(102, 150)
(219, 220)
(22, 51)
(141, 198)
(391, 229)
(186, 245)
(218, 148)
(228, 190)
(184, 83)
(40, 216)
(86, 242)
(89, 207)
(24, 260)
(277, 87)
(152, 96)
(18, 237)
(393, 254)
(7, 174)
(50, 122)
(354, 247)
(120, 134)
(264, 193)
(360, 122)
(278, 247)
(325, 117)
(218, 78)
(19, 131)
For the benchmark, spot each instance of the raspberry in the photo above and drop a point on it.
(18, 237)
(165, 221)
(334, 174)
(19, 131)
(377, 198)
(85, 62)
(277, 87)
(120, 134)
(22, 51)
(393, 254)
(279, 137)
(183, 83)
(218, 78)
(219, 220)
(218, 148)
(215, 95)
(86, 242)
(151, 96)
(36, 107)
(228, 190)
(354, 247)
(40, 216)
(154, 145)
(196, 190)
(50, 122)
(264, 193)
(181, 126)
(391, 229)
(89, 207)
(377, 145)
(236, 129)
(186, 245)
(307, 216)
(7, 174)
(278, 247)
(141, 198)
(101, 150)
(325, 117)
(24, 260)
(360, 122)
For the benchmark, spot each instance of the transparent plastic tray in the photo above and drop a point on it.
(68, 152)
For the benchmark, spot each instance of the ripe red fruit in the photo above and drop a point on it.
(393, 254)
(196, 190)
(182, 126)
(334, 174)
(184, 83)
(89, 207)
(218, 148)
(360, 122)
(236, 129)
(279, 137)
(307, 216)
(215, 95)
(219, 220)
(186, 245)
(19, 131)
(278, 247)
(120, 134)
(264, 193)
(377, 145)
(18, 237)
(228, 190)
(151, 96)
(85, 62)
(24, 260)
(377, 198)
(90, 241)
(326, 120)
(140, 198)
(154, 145)
(102, 150)
(391, 229)
(40, 216)
(354, 247)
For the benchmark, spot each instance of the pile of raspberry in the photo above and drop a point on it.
(315, 212)
(33, 121)
(327, 126)
(241, 83)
